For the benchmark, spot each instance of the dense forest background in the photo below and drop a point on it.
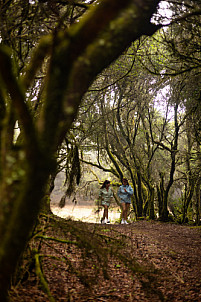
(97, 85)
(140, 119)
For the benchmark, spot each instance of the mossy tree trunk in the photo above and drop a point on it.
(188, 197)
(151, 209)
(160, 201)
(173, 151)
(191, 178)
(198, 203)
(76, 56)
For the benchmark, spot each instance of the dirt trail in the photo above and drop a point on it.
(176, 252)
(163, 263)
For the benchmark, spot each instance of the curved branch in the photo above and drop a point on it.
(84, 51)
(18, 100)
(37, 60)
(111, 170)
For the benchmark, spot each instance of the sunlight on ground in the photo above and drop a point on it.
(84, 213)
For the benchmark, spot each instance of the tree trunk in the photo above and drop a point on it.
(165, 212)
(188, 199)
(151, 204)
(198, 203)
(22, 218)
(140, 198)
(75, 58)
(160, 201)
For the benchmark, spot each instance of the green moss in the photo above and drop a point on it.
(196, 227)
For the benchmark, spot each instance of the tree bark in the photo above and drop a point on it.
(77, 55)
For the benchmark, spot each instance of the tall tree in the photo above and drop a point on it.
(76, 55)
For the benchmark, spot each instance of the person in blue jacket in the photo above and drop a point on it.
(125, 192)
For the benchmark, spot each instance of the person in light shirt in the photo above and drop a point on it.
(105, 195)
(125, 192)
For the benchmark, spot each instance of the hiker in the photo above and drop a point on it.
(105, 196)
(125, 191)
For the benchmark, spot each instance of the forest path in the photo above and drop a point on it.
(142, 261)
(176, 252)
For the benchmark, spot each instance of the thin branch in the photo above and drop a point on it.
(100, 167)
(37, 60)
(116, 81)
(183, 17)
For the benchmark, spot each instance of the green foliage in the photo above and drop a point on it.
(139, 94)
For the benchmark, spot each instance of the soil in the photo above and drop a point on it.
(142, 261)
